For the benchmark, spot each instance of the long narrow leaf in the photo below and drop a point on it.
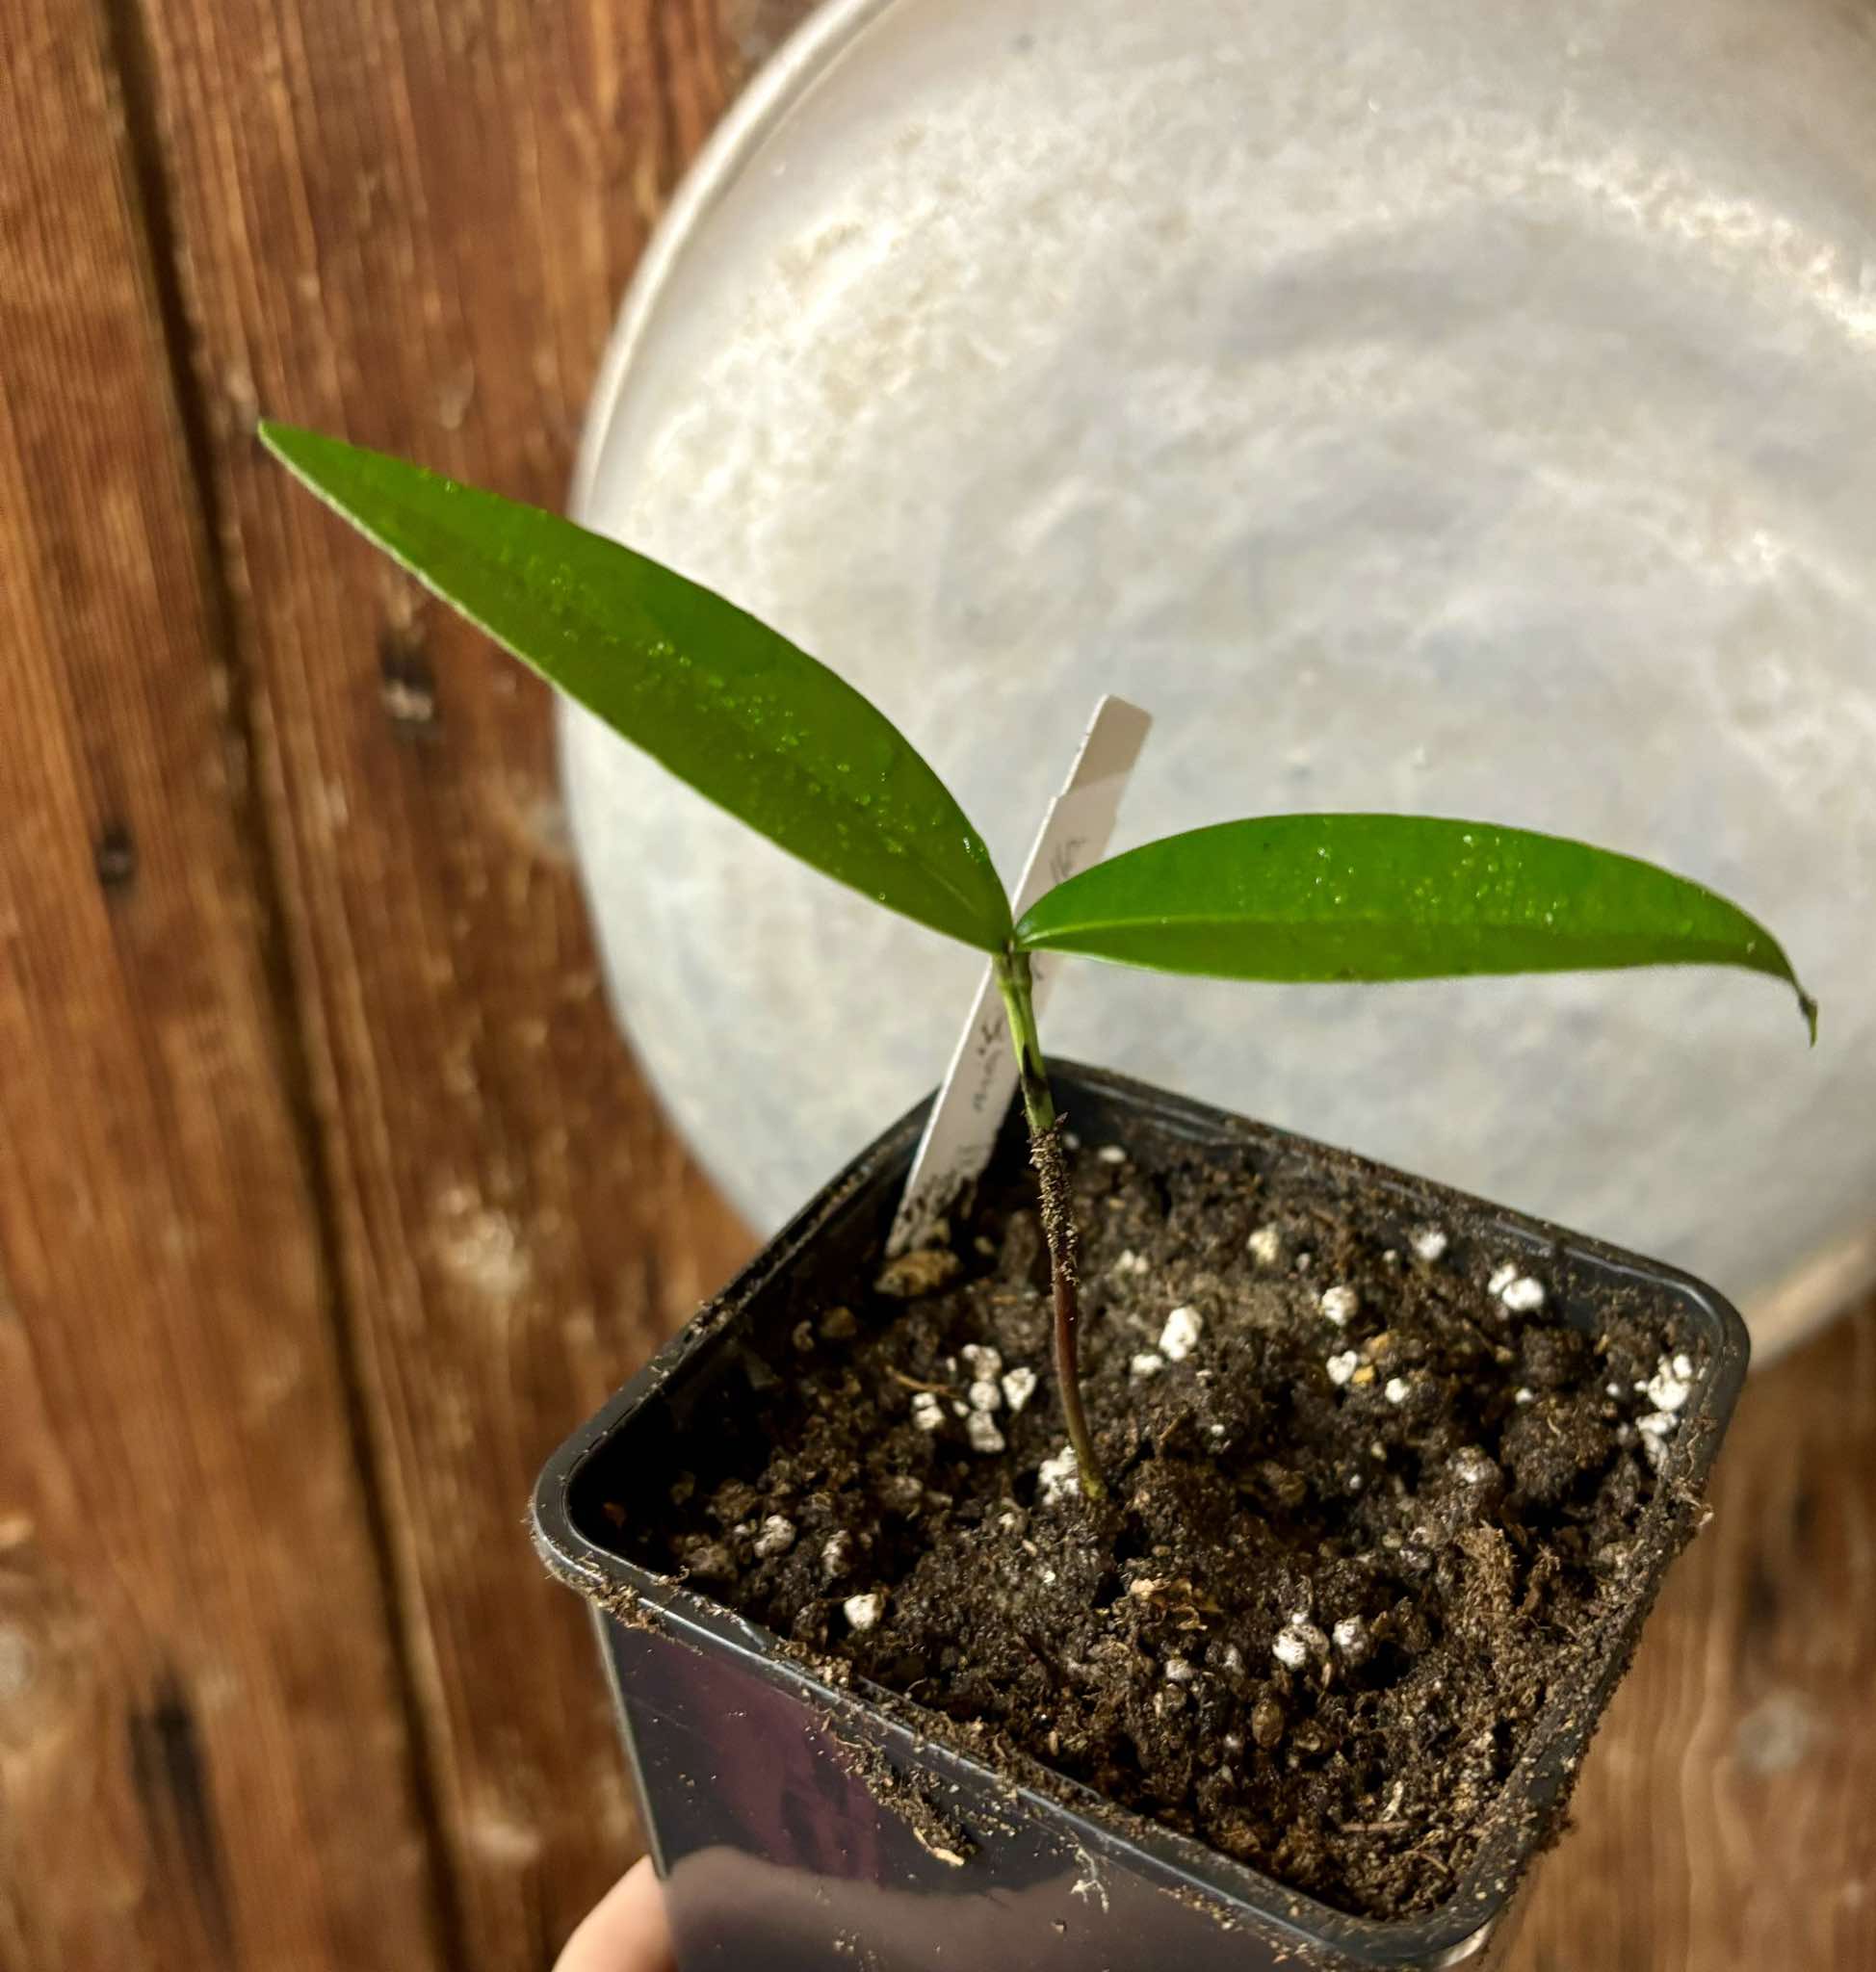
(1385, 896)
(725, 703)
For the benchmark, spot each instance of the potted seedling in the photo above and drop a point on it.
(1216, 1549)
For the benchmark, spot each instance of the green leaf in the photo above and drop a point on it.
(1386, 896)
(724, 702)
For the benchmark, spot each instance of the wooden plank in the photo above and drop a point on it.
(410, 220)
(203, 1754)
(1723, 1821)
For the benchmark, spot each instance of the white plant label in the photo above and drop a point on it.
(961, 1130)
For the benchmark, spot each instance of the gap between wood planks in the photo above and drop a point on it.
(129, 52)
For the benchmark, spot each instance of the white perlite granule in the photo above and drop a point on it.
(863, 1612)
(1338, 1304)
(1655, 1429)
(1146, 1363)
(1298, 1642)
(1019, 1386)
(1472, 1468)
(1524, 1296)
(985, 1396)
(1266, 1245)
(1112, 1154)
(1130, 1265)
(984, 1363)
(1341, 1367)
(1180, 1335)
(1058, 1477)
(837, 1553)
(928, 1413)
(1396, 1390)
(1671, 1385)
(1290, 1649)
(980, 1428)
(1350, 1636)
(1178, 1671)
(1503, 1277)
(1429, 1243)
(777, 1536)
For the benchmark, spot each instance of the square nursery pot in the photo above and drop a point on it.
(802, 1818)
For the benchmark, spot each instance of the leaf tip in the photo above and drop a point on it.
(1808, 1006)
(284, 442)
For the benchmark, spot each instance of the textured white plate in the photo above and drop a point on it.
(1464, 407)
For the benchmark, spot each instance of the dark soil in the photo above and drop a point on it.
(1342, 1568)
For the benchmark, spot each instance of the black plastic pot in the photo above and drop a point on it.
(776, 1799)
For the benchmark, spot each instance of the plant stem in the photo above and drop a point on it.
(1013, 982)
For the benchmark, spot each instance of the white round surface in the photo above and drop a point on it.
(1457, 406)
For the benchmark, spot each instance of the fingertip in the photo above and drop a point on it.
(626, 1931)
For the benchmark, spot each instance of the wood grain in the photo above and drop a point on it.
(410, 223)
(1724, 1820)
(328, 1199)
(204, 1755)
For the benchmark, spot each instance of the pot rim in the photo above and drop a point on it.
(770, 95)
(1455, 1928)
